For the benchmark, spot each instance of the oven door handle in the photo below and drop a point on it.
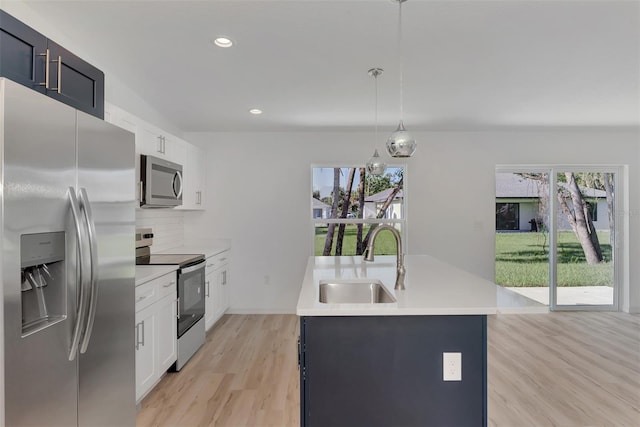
(191, 269)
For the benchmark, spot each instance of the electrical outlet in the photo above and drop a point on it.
(452, 366)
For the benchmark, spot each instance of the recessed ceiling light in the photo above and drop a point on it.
(223, 42)
(255, 111)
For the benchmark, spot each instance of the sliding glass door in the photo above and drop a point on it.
(566, 260)
(584, 239)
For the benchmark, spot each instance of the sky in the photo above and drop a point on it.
(323, 179)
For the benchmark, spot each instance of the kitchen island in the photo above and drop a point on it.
(383, 364)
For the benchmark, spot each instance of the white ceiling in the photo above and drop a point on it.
(467, 64)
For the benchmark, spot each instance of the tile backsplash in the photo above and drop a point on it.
(167, 224)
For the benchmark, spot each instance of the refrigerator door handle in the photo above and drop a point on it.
(80, 313)
(93, 267)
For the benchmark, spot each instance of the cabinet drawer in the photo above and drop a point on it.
(146, 294)
(218, 260)
(167, 286)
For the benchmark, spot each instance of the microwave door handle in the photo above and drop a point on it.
(93, 265)
(80, 317)
(177, 178)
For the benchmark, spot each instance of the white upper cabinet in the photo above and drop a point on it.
(152, 141)
(194, 175)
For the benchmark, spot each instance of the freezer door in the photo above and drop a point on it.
(37, 137)
(106, 174)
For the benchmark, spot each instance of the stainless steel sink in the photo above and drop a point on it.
(354, 292)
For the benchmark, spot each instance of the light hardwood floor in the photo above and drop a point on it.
(572, 369)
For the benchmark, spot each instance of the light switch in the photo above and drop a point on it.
(452, 366)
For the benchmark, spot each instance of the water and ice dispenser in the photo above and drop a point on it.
(42, 280)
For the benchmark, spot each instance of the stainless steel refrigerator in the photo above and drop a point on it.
(67, 267)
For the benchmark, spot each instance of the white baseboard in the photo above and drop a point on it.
(634, 309)
(260, 311)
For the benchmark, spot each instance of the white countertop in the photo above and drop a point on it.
(432, 287)
(145, 273)
(208, 247)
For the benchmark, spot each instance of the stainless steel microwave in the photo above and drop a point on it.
(160, 183)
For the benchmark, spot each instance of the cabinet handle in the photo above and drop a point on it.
(141, 298)
(46, 69)
(209, 265)
(143, 328)
(141, 194)
(207, 293)
(223, 259)
(137, 334)
(159, 149)
(59, 88)
(171, 283)
(178, 305)
(224, 277)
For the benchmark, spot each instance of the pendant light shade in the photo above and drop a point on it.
(375, 165)
(401, 143)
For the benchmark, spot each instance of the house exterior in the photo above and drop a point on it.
(373, 203)
(519, 204)
(321, 210)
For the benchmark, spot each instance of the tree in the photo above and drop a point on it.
(578, 214)
(328, 243)
(345, 209)
(359, 242)
(607, 181)
(580, 219)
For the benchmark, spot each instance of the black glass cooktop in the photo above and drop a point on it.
(182, 260)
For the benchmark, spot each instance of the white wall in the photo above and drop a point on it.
(259, 184)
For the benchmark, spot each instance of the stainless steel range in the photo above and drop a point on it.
(191, 296)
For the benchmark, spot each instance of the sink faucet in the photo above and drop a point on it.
(368, 252)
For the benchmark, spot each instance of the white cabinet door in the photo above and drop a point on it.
(154, 142)
(167, 313)
(194, 178)
(150, 141)
(224, 289)
(216, 288)
(210, 298)
(146, 360)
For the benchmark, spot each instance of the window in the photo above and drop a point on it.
(347, 204)
(507, 216)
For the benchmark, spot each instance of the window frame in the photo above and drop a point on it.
(404, 222)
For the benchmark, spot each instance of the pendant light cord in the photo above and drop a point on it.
(400, 55)
(375, 76)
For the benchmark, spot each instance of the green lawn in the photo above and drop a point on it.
(522, 260)
(385, 243)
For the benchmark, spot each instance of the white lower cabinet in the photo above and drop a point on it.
(156, 331)
(146, 366)
(167, 314)
(216, 288)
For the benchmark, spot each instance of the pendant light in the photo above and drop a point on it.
(401, 143)
(375, 165)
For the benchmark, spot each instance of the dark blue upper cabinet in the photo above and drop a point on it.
(31, 59)
(22, 53)
(74, 81)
